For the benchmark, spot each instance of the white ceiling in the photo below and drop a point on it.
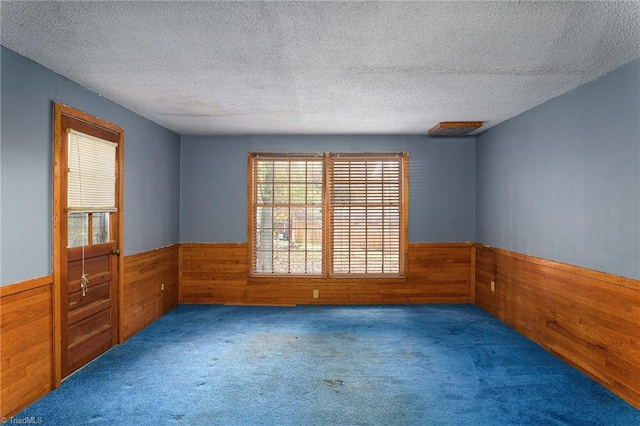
(253, 67)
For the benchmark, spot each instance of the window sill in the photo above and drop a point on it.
(337, 279)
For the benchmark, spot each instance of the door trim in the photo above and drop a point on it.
(59, 224)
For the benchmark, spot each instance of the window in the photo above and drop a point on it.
(327, 214)
(91, 196)
(81, 225)
(366, 208)
(287, 195)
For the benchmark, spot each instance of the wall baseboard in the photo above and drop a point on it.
(26, 343)
(587, 318)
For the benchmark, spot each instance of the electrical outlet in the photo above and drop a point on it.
(162, 286)
(316, 293)
(493, 286)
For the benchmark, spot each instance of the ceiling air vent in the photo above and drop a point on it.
(454, 128)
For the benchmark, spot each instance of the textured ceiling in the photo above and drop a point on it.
(324, 67)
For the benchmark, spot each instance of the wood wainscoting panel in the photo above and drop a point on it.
(213, 273)
(589, 319)
(145, 275)
(26, 343)
(218, 273)
(442, 272)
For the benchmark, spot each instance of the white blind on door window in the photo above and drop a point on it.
(92, 174)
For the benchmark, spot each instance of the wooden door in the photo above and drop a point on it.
(86, 251)
(91, 322)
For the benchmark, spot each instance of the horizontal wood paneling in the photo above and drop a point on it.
(441, 272)
(26, 343)
(219, 274)
(144, 301)
(587, 318)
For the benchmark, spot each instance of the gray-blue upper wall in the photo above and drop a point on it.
(213, 204)
(562, 181)
(151, 169)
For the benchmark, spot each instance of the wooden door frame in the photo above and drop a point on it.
(59, 224)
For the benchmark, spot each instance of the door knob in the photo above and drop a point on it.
(116, 252)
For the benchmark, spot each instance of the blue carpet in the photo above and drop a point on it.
(330, 365)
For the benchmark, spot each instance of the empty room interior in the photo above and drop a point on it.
(320, 212)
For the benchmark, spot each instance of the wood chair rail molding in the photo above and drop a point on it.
(9, 289)
(565, 267)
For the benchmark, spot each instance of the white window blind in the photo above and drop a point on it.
(366, 214)
(92, 174)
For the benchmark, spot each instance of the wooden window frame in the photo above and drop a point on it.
(253, 159)
(90, 238)
(327, 222)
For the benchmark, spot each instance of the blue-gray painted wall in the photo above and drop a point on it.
(151, 169)
(562, 181)
(213, 204)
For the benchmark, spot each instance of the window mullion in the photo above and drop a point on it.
(90, 229)
(328, 214)
(306, 218)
